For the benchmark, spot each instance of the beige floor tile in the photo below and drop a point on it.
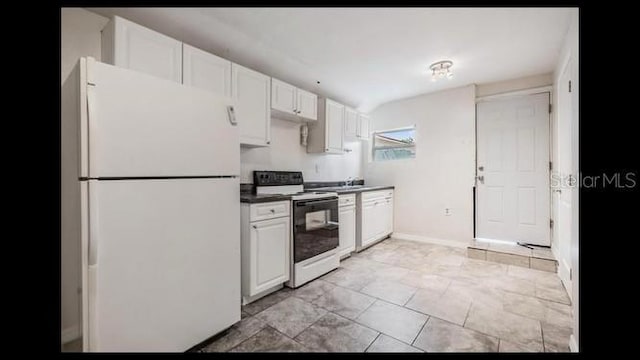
(238, 333)
(313, 290)
(345, 302)
(448, 306)
(544, 264)
(269, 340)
(512, 347)
(557, 294)
(511, 284)
(352, 279)
(556, 338)
(291, 316)
(421, 280)
(442, 336)
(509, 259)
(267, 301)
(476, 244)
(393, 320)
(391, 273)
(477, 293)
(384, 344)
(391, 291)
(334, 333)
(477, 254)
(543, 253)
(504, 325)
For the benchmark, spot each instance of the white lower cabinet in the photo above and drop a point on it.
(347, 220)
(375, 217)
(266, 247)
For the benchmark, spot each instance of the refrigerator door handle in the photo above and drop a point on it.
(232, 115)
(93, 224)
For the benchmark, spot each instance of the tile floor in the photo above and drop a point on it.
(403, 296)
(536, 257)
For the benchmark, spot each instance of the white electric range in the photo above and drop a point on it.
(315, 227)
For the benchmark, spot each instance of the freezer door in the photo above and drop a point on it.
(163, 263)
(143, 126)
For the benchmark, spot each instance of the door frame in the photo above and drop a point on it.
(509, 95)
(555, 246)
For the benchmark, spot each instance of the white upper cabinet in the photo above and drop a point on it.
(350, 123)
(292, 103)
(326, 135)
(252, 92)
(129, 45)
(283, 97)
(206, 71)
(363, 127)
(307, 105)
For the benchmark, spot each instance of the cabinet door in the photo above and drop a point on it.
(363, 127)
(369, 219)
(283, 97)
(334, 130)
(252, 92)
(350, 123)
(269, 253)
(347, 232)
(206, 71)
(388, 216)
(137, 48)
(307, 106)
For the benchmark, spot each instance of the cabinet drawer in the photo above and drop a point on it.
(344, 200)
(269, 210)
(377, 195)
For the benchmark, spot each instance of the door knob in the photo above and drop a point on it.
(481, 168)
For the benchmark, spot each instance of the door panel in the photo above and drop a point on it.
(252, 92)
(206, 71)
(350, 122)
(133, 132)
(307, 104)
(166, 264)
(347, 233)
(513, 155)
(147, 51)
(270, 246)
(335, 115)
(283, 96)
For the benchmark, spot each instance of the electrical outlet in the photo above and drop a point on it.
(447, 212)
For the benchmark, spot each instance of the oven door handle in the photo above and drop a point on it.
(315, 202)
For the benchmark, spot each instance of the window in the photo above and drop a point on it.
(394, 144)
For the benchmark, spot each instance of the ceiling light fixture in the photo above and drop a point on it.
(441, 69)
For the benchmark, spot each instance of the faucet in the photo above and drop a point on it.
(349, 182)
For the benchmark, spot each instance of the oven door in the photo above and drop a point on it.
(315, 227)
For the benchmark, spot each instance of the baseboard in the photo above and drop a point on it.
(430, 240)
(69, 334)
(573, 346)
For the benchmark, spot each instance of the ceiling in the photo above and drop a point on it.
(364, 57)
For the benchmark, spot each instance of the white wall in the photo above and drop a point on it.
(80, 36)
(570, 49)
(522, 83)
(442, 173)
(286, 154)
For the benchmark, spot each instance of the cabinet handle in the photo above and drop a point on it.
(254, 226)
(272, 211)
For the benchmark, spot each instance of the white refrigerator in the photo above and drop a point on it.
(150, 194)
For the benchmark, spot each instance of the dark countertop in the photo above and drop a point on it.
(362, 189)
(254, 199)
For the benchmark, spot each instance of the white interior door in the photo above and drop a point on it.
(513, 169)
(141, 125)
(163, 266)
(563, 194)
